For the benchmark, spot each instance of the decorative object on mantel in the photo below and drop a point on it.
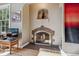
(42, 14)
(16, 16)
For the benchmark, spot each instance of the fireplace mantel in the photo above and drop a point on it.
(42, 28)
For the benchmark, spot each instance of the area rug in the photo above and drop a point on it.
(48, 52)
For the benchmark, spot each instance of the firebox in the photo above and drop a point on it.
(42, 37)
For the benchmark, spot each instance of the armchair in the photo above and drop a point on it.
(14, 32)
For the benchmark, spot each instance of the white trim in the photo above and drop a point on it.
(4, 6)
(24, 44)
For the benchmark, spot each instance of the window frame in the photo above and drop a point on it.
(4, 7)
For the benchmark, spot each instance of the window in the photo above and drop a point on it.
(4, 19)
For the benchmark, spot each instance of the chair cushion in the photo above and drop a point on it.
(9, 39)
(14, 34)
(13, 30)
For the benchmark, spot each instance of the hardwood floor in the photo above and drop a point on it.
(36, 50)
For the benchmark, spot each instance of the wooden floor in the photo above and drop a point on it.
(34, 50)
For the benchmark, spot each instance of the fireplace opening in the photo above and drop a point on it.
(42, 37)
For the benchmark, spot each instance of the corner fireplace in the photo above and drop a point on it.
(43, 35)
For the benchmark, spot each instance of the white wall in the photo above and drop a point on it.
(14, 7)
(54, 21)
(25, 25)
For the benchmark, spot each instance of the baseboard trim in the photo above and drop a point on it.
(24, 44)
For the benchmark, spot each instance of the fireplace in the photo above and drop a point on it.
(43, 35)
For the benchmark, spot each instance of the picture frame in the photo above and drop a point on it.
(42, 14)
